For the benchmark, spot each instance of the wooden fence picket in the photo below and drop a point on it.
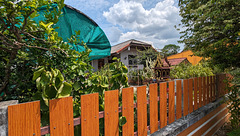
(214, 88)
(111, 115)
(219, 85)
(61, 117)
(200, 91)
(142, 111)
(153, 95)
(225, 84)
(24, 119)
(195, 93)
(207, 86)
(190, 81)
(210, 89)
(179, 99)
(204, 91)
(185, 97)
(163, 104)
(90, 115)
(128, 111)
(171, 105)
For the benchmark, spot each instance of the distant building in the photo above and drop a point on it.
(174, 62)
(162, 68)
(176, 58)
(127, 52)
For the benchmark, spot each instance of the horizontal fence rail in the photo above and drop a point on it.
(161, 101)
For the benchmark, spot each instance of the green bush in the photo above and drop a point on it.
(233, 97)
(235, 132)
(184, 71)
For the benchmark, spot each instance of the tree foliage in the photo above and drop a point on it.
(185, 71)
(35, 63)
(146, 54)
(233, 98)
(170, 49)
(211, 28)
(26, 44)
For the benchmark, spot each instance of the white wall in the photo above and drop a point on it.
(95, 63)
(125, 54)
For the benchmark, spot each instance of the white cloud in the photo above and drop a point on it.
(141, 1)
(115, 34)
(155, 24)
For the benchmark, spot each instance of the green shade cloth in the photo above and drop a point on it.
(73, 20)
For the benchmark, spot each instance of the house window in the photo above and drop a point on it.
(132, 60)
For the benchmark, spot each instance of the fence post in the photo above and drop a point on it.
(195, 93)
(190, 81)
(200, 91)
(153, 92)
(128, 111)
(179, 99)
(90, 115)
(24, 119)
(61, 117)
(171, 100)
(163, 104)
(185, 97)
(142, 111)
(111, 115)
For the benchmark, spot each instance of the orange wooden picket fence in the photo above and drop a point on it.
(189, 95)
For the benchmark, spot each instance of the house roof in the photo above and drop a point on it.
(121, 46)
(174, 62)
(187, 54)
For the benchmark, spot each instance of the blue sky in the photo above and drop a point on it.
(145, 20)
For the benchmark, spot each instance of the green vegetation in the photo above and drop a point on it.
(146, 55)
(114, 75)
(26, 45)
(35, 63)
(170, 49)
(212, 30)
(234, 132)
(234, 98)
(185, 71)
(147, 73)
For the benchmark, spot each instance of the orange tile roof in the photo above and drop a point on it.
(174, 62)
(187, 54)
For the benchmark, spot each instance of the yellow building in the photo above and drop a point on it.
(187, 54)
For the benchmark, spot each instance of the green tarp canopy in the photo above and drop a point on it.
(74, 20)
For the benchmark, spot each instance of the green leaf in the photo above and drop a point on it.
(66, 91)
(77, 85)
(50, 92)
(60, 76)
(122, 120)
(114, 58)
(37, 73)
(54, 72)
(60, 88)
(45, 79)
(104, 85)
(38, 83)
(45, 99)
(125, 70)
